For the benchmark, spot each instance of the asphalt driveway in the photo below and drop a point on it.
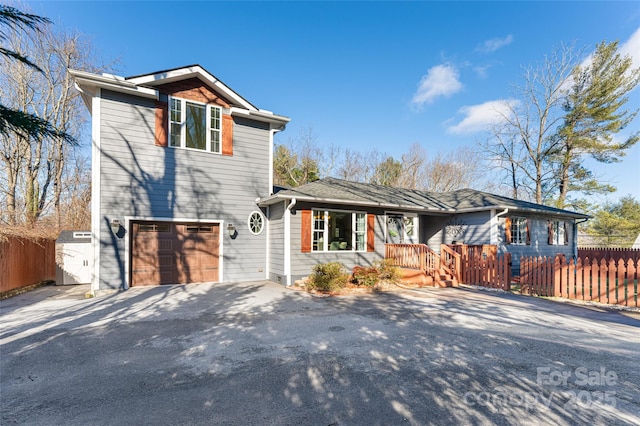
(257, 353)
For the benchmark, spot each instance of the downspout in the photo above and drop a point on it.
(503, 212)
(575, 237)
(287, 241)
(497, 215)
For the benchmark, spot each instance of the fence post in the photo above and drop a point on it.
(611, 282)
(602, 281)
(579, 279)
(571, 280)
(507, 273)
(632, 276)
(557, 277)
(618, 287)
(523, 274)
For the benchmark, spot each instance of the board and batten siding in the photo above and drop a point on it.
(303, 263)
(276, 242)
(140, 179)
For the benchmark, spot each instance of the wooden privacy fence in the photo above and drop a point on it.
(491, 271)
(609, 281)
(609, 253)
(25, 262)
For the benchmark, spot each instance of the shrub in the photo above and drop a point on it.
(370, 276)
(328, 277)
(387, 271)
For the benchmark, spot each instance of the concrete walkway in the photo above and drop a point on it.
(257, 353)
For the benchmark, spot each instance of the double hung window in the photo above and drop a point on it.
(557, 233)
(519, 230)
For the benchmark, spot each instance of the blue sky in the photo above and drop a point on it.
(363, 75)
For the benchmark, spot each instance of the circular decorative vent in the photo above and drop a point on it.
(256, 223)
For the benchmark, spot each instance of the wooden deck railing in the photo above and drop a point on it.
(416, 256)
(451, 262)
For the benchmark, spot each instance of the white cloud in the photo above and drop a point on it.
(482, 70)
(478, 118)
(494, 44)
(440, 80)
(631, 47)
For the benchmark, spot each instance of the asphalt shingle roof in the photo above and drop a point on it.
(332, 190)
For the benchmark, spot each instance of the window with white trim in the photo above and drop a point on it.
(519, 230)
(557, 233)
(195, 125)
(339, 230)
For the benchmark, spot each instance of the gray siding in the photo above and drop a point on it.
(302, 263)
(470, 228)
(276, 242)
(143, 180)
(539, 241)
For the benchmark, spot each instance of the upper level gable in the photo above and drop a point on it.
(193, 80)
(194, 89)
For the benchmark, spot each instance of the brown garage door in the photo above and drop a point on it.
(174, 253)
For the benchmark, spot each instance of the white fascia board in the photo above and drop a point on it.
(263, 116)
(276, 197)
(188, 72)
(524, 210)
(88, 82)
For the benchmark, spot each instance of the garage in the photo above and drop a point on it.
(174, 253)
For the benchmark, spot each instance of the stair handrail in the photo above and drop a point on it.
(416, 256)
(451, 261)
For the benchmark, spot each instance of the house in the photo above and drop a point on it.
(182, 192)
(178, 160)
(337, 220)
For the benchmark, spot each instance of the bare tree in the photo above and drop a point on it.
(525, 142)
(455, 170)
(413, 167)
(298, 160)
(34, 166)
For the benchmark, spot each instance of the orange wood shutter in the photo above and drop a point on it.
(227, 135)
(162, 123)
(371, 232)
(507, 230)
(528, 231)
(305, 236)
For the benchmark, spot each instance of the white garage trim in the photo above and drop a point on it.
(127, 240)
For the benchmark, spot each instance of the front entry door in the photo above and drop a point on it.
(395, 229)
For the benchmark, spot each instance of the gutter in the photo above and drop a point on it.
(274, 199)
(261, 115)
(565, 213)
